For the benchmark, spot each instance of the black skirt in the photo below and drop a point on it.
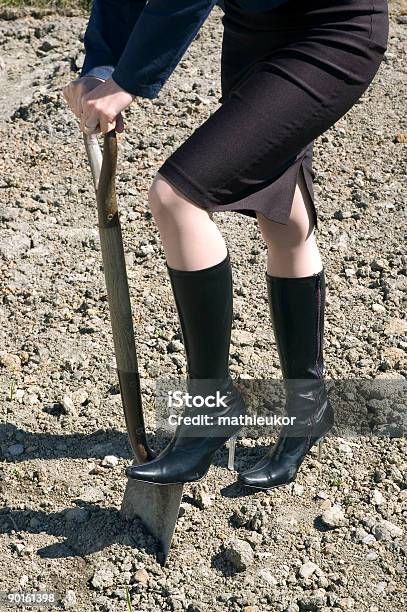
(287, 75)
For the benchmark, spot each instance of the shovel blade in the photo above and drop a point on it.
(157, 506)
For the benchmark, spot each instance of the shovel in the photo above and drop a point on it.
(156, 505)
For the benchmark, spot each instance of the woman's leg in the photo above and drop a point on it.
(292, 250)
(190, 238)
(198, 265)
(296, 294)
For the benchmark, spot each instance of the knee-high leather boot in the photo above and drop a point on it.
(204, 300)
(297, 312)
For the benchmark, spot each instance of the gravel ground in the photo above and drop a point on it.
(334, 540)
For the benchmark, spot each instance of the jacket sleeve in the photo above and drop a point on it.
(109, 27)
(161, 35)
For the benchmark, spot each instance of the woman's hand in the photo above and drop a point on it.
(98, 104)
(74, 91)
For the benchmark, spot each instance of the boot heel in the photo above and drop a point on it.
(231, 445)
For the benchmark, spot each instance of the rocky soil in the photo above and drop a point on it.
(334, 540)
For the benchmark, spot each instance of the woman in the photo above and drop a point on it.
(290, 69)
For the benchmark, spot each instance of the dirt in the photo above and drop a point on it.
(60, 522)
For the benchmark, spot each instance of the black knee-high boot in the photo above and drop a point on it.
(297, 312)
(204, 300)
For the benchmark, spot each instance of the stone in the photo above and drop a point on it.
(396, 327)
(379, 308)
(175, 346)
(103, 577)
(267, 576)
(10, 362)
(347, 603)
(298, 489)
(312, 602)
(77, 515)
(110, 461)
(334, 517)
(15, 450)
(92, 495)
(239, 553)
(69, 601)
(240, 337)
(13, 244)
(385, 530)
(67, 404)
(307, 569)
(377, 498)
(201, 496)
(378, 265)
(141, 576)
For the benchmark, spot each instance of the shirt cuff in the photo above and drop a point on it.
(100, 72)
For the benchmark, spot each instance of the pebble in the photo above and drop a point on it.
(368, 539)
(347, 603)
(92, 495)
(377, 498)
(385, 530)
(298, 489)
(141, 576)
(345, 448)
(69, 600)
(77, 515)
(242, 337)
(175, 346)
(201, 496)
(13, 244)
(267, 576)
(68, 404)
(103, 577)
(110, 461)
(378, 265)
(10, 362)
(379, 308)
(307, 569)
(15, 450)
(312, 602)
(334, 517)
(239, 553)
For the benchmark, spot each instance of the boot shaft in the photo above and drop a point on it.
(297, 307)
(204, 301)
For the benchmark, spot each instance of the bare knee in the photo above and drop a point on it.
(297, 231)
(162, 198)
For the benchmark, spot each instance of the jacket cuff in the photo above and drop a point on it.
(101, 72)
(136, 89)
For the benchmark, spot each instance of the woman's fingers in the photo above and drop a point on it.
(119, 123)
(74, 92)
(94, 115)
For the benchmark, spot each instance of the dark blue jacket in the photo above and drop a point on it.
(142, 41)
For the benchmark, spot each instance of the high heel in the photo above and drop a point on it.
(231, 446)
(297, 313)
(204, 303)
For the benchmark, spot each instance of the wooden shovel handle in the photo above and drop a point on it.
(103, 169)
